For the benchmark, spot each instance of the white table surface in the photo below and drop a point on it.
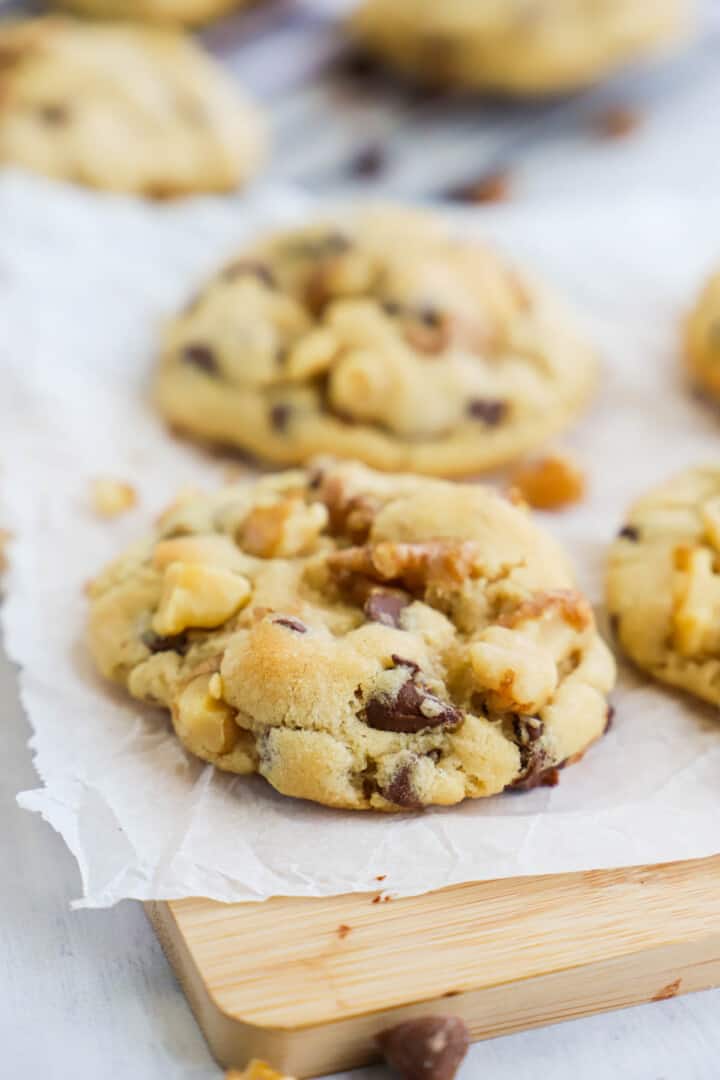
(89, 994)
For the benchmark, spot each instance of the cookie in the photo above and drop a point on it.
(383, 339)
(516, 46)
(702, 339)
(172, 12)
(663, 584)
(123, 108)
(363, 640)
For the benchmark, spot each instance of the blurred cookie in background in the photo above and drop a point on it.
(383, 338)
(517, 46)
(168, 12)
(702, 339)
(123, 108)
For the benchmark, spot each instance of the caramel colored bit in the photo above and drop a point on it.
(549, 483)
(110, 498)
(415, 565)
(571, 605)
(282, 529)
(350, 516)
(256, 1070)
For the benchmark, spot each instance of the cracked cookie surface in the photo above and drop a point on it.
(516, 46)
(123, 108)
(383, 339)
(663, 583)
(702, 339)
(362, 640)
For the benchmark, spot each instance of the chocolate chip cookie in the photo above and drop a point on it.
(702, 339)
(516, 46)
(383, 338)
(663, 584)
(122, 108)
(363, 640)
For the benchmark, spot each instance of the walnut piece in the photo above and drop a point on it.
(696, 602)
(572, 607)
(519, 675)
(549, 483)
(194, 595)
(204, 723)
(109, 497)
(438, 563)
(281, 529)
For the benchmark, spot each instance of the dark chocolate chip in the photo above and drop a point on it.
(280, 417)
(400, 790)
(357, 64)
(54, 115)
(428, 1048)
(292, 624)
(548, 776)
(385, 607)
(400, 661)
(413, 709)
(368, 162)
(609, 717)
(156, 643)
(489, 410)
(629, 532)
(527, 729)
(201, 357)
(250, 268)
(431, 317)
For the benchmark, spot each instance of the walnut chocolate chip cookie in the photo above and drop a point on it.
(383, 339)
(122, 107)
(516, 46)
(702, 339)
(663, 584)
(363, 640)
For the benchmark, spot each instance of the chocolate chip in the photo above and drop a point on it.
(400, 661)
(489, 410)
(156, 643)
(527, 729)
(201, 357)
(431, 317)
(392, 308)
(280, 417)
(54, 115)
(629, 532)
(609, 717)
(368, 162)
(548, 776)
(250, 268)
(385, 607)
(400, 790)
(357, 64)
(413, 709)
(535, 765)
(614, 625)
(292, 624)
(428, 1048)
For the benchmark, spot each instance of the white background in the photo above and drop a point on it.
(89, 994)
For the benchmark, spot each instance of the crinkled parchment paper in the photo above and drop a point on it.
(85, 282)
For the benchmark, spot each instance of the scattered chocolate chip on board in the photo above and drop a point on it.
(428, 1048)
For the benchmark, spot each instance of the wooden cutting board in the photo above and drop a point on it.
(307, 983)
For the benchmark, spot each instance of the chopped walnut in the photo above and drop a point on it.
(282, 528)
(349, 515)
(519, 675)
(256, 1070)
(549, 483)
(710, 514)
(696, 602)
(415, 565)
(194, 595)
(569, 604)
(109, 497)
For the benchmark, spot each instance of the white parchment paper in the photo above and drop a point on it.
(85, 281)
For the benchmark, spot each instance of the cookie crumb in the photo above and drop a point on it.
(548, 483)
(343, 930)
(495, 187)
(109, 498)
(377, 898)
(617, 122)
(256, 1070)
(380, 877)
(5, 538)
(428, 1048)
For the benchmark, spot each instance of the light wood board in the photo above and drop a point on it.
(284, 981)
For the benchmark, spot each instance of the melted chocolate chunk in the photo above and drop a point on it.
(400, 790)
(385, 607)
(156, 643)
(250, 268)
(413, 709)
(489, 410)
(609, 717)
(201, 357)
(431, 317)
(427, 1048)
(629, 532)
(280, 417)
(292, 624)
(400, 661)
(539, 776)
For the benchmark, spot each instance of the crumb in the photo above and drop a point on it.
(343, 930)
(494, 188)
(381, 877)
(548, 483)
(617, 121)
(256, 1070)
(109, 497)
(387, 898)
(668, 991)
(368, 162)
(376, 899)
(5, 538)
